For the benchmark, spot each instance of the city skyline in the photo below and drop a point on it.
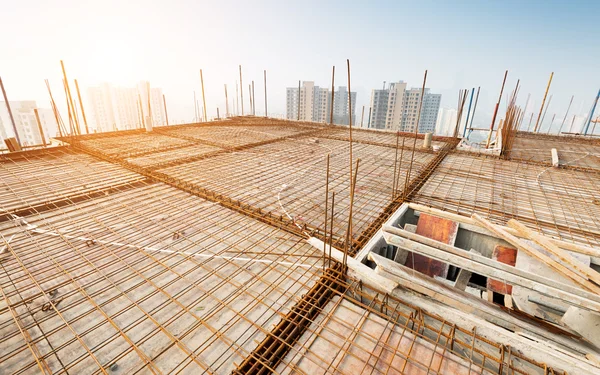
(461, 45)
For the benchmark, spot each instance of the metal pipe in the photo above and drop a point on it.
(535, 129)
(87, 130)
(12, 119)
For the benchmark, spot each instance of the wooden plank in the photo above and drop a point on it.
(553, 249)
(563, 270)
(464, 303)
(438, 229)
(470, 224)
(506, 255)
(490, 268)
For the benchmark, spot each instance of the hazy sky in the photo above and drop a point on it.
(462, 44)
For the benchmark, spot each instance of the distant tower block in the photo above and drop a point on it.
(148, 123)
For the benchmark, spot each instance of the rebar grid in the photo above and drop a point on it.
(557, 202)
(234, 136)
(149, 279)
(361, 331)
(572, 153)
(33, 180)
(155, 280)
(286, 179)
(173, 156)
(132, 145)
(382, 138)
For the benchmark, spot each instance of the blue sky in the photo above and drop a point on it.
(463, 44)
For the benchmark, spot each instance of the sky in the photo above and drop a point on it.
(462, 44)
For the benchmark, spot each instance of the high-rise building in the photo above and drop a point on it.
(341, 112)
(26, 122)
(315, 104)
(387, 106)
(396, 108)
(119, 108)
(446, 122)
(429, 110)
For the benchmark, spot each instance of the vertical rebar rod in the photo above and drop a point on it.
(551, 122)
(87, 130)
(331, 225)
(468, 112)
(143, 122)
(545, 111)
(226, 102)
(12, 119)
(70, 98)
(349, 237)
(332, 95)
(592, 113)
(535, 129)
(395, 165)
(266, 112)
(326, 208)
(241, 90)
(412, 156)
(149, 107)
(54, 109)
(195, 108)
(530, 121)
(298, 101)
(218, 118)
(166, 113)
(253, 101)
(566, 114)
(39, 124)
(369, 119)
(361, 116)
(237, 100)
(475, 106)
(203, 96)
(71, 125)
(489, 138)
(250, 96)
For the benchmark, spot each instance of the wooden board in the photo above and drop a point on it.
(506, 255)
(439, 229)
